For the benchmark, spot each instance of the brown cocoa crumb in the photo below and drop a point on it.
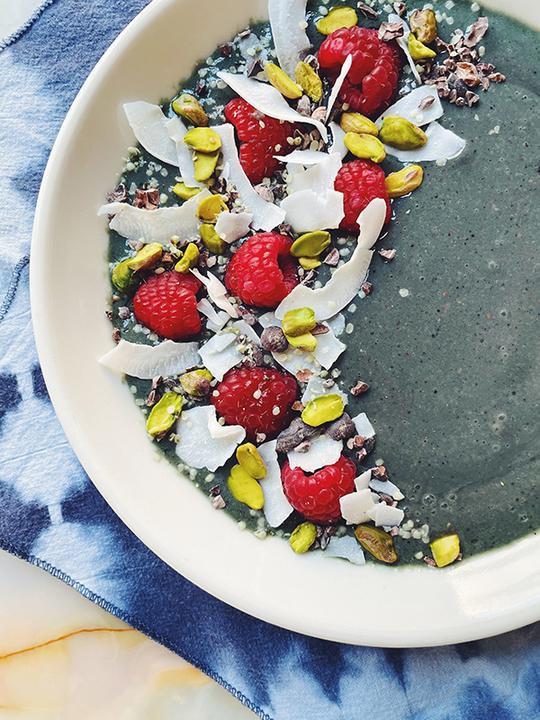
(303, 376)
(320, 329)
(388, 254)
(332, 258)
(390, 31)
(366, 288)
(116, 335)
(297, 406)
(379, 472)
(367, 10)
(360, 388)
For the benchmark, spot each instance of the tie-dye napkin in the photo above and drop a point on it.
(51, 515)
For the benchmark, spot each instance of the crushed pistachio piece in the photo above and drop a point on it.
(196, 382)
(122, 276)
(146, 258)
(184, 192)
(282, 82)
(402, 133)
(309, 81)
(250, 460)
(309, 263)
(298, 321)
(164, 414)
(363, 145)
(204, 165)
(377, 542)
(211, 240)
(404, 181)
(418, 50)
(423, 24)
(306, 341)
(302, 537)
(203, 140)
(355, 122)
(310, 244)
(211, 207)
(323, 409)
(245, 488)
(191, 109)
(445, 550)
(338, 17)
(189, 259)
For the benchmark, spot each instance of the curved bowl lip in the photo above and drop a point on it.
(497, 623)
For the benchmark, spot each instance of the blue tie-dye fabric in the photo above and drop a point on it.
(51, 514)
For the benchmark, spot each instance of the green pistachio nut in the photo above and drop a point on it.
(377, 542)
(245, 488)
(310, 244)
(204, 165)
(191, 109)
(211, 240)
(211, 207)
(423, 24)
(184, 192)
(404, 181)
(189, 259)
(445, 550)
(307, 341)
(250, 460)
(164, 414)
(338, 17)
(122, 276)
(196, 382)
(418, 50)
(147, 257)
(203, 140)
(282, 82)
(309, 81)
(365, 146)
(355, 122)
(323, 409)
(298, 322)
(401, 133)
(309, 263)
(302, 537)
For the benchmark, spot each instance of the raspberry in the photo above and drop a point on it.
(259, 399)
(373, 77)
(167, 305)
(261, 272)
(259, 137)
(360, 181)
(316, 496)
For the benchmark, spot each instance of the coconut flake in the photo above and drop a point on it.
(403, 42)
(155, 226)
(383, 514)
(346, 281)
(386, 487)
(217, 292)
(303, 157)
(316, 388)
(319, 177)
(409, 107)
(266, 99)
(202, 441)
(362, 481)
(363, 426)
(355, 506)
(221, 352)
(287, 18)
(276, 506)
(266, 215)
(176, 130)
(307, 211)
(338, 85)
(149, 126)
(347, 548)
(216, 320)
(328, 349)
(338, 140)
(148, 361)
(442, 144)
(233, 226)
(322, 451)
(337, 324)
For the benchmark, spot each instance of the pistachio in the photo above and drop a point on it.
(282, 82)
(445, 549)
(298, 322)
(303, 537)
(309, 81)
(184, 192)
(122, 276)
(377, 542)
(204, 165)
(211, 207)
(418, 50)
(365, 146)
(323, 409)
(401, 133)
(355, 122)
(211, 239)
(164, 414)
(306, 341)
(203, 140)
(146, 258)
(338, 17)
(191, 109)
(250, 460)
(189, 259)
(196, 382)
(245, 488)
(404, 181)
(310, 244)
(273, 340)
(423, 24)
(309, 263)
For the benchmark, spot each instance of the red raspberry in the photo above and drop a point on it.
(258, 142)
(373, 77)
(249, 397)
(360, 181)
(261, 272)
(316, 496)
(167, 305)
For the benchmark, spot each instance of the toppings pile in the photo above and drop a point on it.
(235, 278)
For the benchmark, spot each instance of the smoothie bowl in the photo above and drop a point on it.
(321, 284)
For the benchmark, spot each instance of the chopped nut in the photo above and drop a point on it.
(360, 388)
(390, 31)
(273, 340)
(366, 288)
(342, 428)
(388, 255)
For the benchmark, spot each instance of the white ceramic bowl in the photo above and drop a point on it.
(372, 605)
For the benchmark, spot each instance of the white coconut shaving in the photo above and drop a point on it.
(149, 126)
(217, 292)
(221, 353)
(386, 515)
(363, 426)
(338, 85)
(176, 129)
(155, 226)
(202, 441)
(363, 480)
(148, 361)
(355, 506)
(276, 506)
(233, 226)
(346, 281)
(347, 548)
(409, 107)
(303, 157)
(316, 387)
(266, 215)
(403, 42)
(322, 451)
(386, 487)
(215, 320)
(338, 140)
(306, 211)
(319, 177)
(266, 99)
(337, 324)
(442, 144)
(328, 349)
(287, 21)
